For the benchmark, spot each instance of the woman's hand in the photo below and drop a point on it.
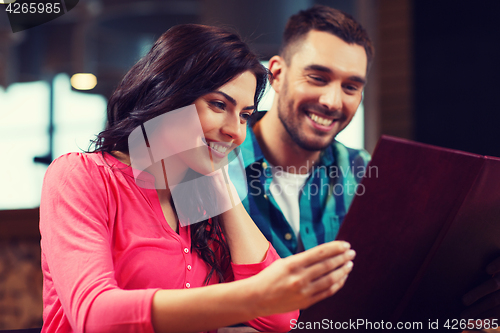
(301, 280)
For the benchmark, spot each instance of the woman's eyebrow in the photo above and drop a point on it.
(232, 100)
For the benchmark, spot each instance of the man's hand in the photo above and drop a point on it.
(484, 300)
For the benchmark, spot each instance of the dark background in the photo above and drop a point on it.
(457, 53)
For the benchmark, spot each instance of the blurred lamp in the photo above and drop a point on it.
(83, 81)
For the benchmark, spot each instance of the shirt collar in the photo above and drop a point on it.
(327, 156)
(250, 148)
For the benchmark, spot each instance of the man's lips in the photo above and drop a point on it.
(320, 121)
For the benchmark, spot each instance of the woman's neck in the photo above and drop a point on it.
(161, 185)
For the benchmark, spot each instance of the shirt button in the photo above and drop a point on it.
(265, 196)
(288, 236)
(264, 165)
(188, 285)
(186, 250)
(189, 267)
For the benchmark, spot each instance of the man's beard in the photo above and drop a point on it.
(292, 127)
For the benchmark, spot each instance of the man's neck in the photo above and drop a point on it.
(279, 148)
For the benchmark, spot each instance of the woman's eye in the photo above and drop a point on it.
(245, 116)
(219, 105)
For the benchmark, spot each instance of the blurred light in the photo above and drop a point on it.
(83, 81)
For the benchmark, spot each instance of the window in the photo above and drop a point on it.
(24, 122)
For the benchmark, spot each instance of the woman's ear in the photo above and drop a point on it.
(277, 67)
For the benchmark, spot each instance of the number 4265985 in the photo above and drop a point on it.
(471, 324)
(34, 8)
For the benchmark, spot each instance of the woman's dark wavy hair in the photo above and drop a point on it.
(186, 62)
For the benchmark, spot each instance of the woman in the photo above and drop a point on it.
(116, 256)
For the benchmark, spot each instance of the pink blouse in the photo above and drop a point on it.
(107, 248)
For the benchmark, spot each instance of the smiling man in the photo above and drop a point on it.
(301, 181)
(319, 90)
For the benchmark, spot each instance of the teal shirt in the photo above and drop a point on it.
(323, 201)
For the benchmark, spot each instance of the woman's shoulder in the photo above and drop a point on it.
(70, 159)
(83, 167)
(70, 163)
(84, 175)
(86, 161)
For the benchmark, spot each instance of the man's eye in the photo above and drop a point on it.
(317, 79)
(218, 104)
(351, 88)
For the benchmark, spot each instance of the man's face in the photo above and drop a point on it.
(320, 88)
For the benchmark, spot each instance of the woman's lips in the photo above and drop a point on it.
(217, 148)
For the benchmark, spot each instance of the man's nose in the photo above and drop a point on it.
(331, 97)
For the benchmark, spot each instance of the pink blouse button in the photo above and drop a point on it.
(188, 285)
(186, 250)
(189, 267)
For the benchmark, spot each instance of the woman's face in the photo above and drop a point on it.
(223, 116)
(200, 137)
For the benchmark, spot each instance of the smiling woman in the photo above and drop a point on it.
(117, 253)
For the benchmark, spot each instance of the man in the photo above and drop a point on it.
(300, 180)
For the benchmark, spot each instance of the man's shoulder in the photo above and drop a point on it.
(338, 153)
(349, 162)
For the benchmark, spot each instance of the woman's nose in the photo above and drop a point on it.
(232, 127)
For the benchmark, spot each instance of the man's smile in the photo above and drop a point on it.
(319, 119)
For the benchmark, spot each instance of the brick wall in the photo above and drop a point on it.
(20, 270)
(395, 67)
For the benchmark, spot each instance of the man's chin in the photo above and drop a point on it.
(314, 145)
(308, 138)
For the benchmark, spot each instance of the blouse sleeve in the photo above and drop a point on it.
(281, 322)
(76, 254)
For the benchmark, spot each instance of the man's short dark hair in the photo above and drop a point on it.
(323, 18)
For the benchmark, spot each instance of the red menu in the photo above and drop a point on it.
(425, 225)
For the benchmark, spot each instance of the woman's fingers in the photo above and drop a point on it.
(303, 279)
(320, 253)
(323, 267)
(328, 291)
(327, 281)
(325, 271)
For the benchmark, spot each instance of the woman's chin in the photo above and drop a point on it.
(205, 168)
